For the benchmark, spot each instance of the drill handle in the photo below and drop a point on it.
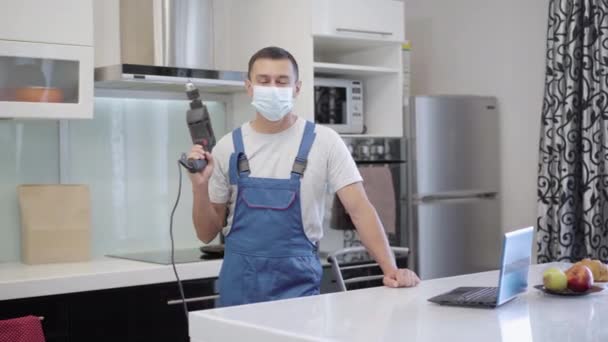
(192, 165)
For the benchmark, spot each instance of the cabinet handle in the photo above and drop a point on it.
(382, 33)
(194, 299)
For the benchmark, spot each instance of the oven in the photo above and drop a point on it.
(382, 164)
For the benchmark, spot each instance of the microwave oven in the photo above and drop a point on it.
(339, 104)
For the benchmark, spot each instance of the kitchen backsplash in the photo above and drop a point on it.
(28, 154)
(127, 155)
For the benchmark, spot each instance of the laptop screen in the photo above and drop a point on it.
(514, 264)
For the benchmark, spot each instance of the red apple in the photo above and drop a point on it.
(580, 278)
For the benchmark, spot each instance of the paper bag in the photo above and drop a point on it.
(55, 223)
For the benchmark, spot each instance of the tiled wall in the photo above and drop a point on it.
(127, 155)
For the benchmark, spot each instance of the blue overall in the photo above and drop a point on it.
(267, 254)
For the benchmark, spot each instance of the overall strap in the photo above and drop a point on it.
(299, 165)
(239, 165)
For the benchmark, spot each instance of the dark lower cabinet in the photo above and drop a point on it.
(157, 312)
(100, 315)
(141, 313)
(54, 309)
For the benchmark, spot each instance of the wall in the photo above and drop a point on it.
(488, 47)
(127, 155)
(28, 154)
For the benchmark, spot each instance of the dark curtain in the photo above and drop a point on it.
(573, 179)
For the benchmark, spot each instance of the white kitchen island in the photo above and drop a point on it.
(383, 314)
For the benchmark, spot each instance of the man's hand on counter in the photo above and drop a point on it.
(401, 277)
(373, 236)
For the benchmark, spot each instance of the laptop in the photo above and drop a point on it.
(513, 280)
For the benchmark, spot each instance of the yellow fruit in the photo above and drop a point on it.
(555, 279)
(599, 270)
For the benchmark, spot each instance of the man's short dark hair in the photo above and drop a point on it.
(273, 52)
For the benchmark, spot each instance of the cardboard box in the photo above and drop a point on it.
(55, 223)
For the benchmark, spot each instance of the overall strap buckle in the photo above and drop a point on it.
(299, 166)
(239, 164)
(243, 164)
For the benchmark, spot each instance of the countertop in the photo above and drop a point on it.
(18, 280)
(384, 314)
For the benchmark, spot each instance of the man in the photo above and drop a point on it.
(271, 175)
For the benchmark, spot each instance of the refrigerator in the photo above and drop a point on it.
(454, 178)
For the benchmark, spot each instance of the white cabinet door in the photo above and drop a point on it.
(242, 27)
(377, 19)
(40, 80)
(47, 21)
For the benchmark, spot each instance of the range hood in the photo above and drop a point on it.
(163, 45)
(163, 78)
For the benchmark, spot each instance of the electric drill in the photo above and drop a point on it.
(199, 124)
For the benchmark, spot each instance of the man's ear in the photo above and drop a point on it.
(249, 87)
(298, 86)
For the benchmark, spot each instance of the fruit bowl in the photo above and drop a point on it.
(568, 292)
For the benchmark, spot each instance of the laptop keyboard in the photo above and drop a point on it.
(486, 294)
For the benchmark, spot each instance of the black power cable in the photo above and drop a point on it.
(179, 282)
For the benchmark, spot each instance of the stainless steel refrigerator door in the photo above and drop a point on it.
(455, 145)
(456, 236)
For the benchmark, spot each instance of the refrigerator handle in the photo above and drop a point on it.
(456, 197)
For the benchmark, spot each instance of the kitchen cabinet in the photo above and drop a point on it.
(379, 19)
(65, 22)
(53, 310)
(362, 40)
(139, 313)
(242, 27)
(156, 311)
(98, 316)
(46, 59)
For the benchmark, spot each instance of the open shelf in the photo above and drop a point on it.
(349, 69)
(378, 65)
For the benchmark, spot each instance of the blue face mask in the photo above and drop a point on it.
(273, 102)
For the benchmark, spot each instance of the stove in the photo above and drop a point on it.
(163, 257)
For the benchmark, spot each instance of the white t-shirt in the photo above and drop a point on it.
(330, 167)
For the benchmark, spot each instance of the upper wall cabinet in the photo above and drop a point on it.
(361, 40)
(56, 22)
(370, 19)
(242, 27)
(46, 59)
